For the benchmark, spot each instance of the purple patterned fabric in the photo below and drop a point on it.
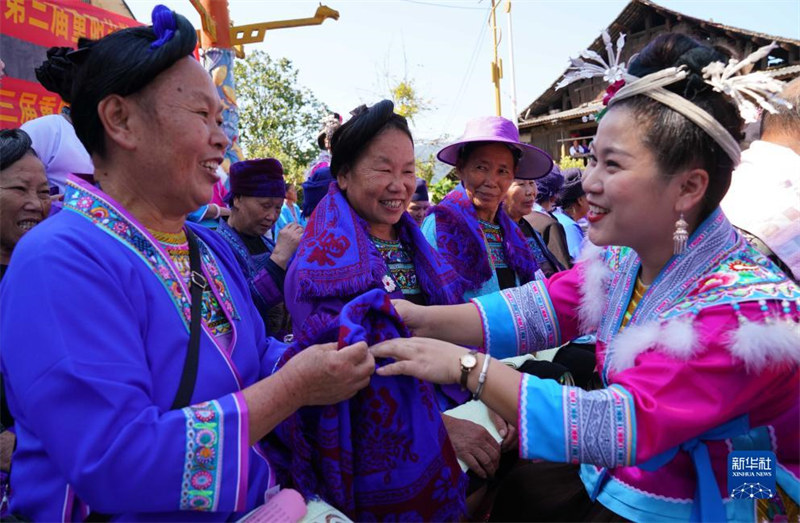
(384, 455)
(337, 259)
(460, 240)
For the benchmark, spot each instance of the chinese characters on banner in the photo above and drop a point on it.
(21, 101)
(45, 24)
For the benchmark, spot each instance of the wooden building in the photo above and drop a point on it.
(555, 117)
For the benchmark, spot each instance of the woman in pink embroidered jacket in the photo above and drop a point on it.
(698, 343)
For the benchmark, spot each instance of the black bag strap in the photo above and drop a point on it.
(197, 284)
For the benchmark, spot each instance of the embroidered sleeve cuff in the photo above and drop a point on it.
(596, 427)
(216, 456)
(518, 321)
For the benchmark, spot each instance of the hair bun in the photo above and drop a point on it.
(695, 60)
(350, 138)
(123, 63)
(56, 74)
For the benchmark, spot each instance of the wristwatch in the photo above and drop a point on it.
(468, 362)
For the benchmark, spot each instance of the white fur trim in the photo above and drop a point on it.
(759, 345)
(590, 251)
(594, 292)
(631, 342)
(677, 338)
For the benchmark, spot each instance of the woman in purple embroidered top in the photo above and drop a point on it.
(255, 199)
(100, 294)
(360, 237)
(469, 226)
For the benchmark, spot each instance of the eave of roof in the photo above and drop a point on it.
(631, 12)
(577, 112)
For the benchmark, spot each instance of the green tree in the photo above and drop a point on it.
(407, 101)
(439, 190)
(425, 168)
(278, 118)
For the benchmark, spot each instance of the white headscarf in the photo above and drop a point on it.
(59, 148)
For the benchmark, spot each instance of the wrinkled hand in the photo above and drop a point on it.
(286, 245)
(412, 314)
(424, 358)
(506, 430)
(323, 375)
(473, 445)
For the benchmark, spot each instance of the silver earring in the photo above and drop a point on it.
(680, 236)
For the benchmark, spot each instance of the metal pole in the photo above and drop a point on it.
(511, 61)
(218, 59)
(496, 72)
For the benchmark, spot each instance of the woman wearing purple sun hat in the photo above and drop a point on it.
(469, 227)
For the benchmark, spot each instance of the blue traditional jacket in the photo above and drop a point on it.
(106, 312)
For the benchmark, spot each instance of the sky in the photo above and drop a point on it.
(445, 47)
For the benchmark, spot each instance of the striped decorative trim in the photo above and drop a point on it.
(203, 460)
(599, 426)
(522, 394)
(535, 321)
(487, 332)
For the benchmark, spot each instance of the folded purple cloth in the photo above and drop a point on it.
(382, 455)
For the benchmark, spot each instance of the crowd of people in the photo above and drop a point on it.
(177, 345)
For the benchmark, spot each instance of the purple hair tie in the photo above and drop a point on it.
(164, 25)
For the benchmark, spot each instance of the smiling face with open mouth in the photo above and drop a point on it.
(179, 131)
(381, 183)
(631, 202)
(24, 200)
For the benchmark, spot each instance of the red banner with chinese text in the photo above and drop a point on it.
(21, 101)
(59, 22)
(44, 24)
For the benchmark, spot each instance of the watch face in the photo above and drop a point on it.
(469, 361)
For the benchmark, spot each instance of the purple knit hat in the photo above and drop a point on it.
(533, 162)
(421, 192)
(261, 177)
(549, 185)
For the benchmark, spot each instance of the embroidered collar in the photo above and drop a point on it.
(460, 239)
(110, 217)
(254, 263)
(337, 258)
(718, 268)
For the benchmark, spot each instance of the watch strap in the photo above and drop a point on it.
(465, 370)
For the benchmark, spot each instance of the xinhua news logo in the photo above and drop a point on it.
(751, 474)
